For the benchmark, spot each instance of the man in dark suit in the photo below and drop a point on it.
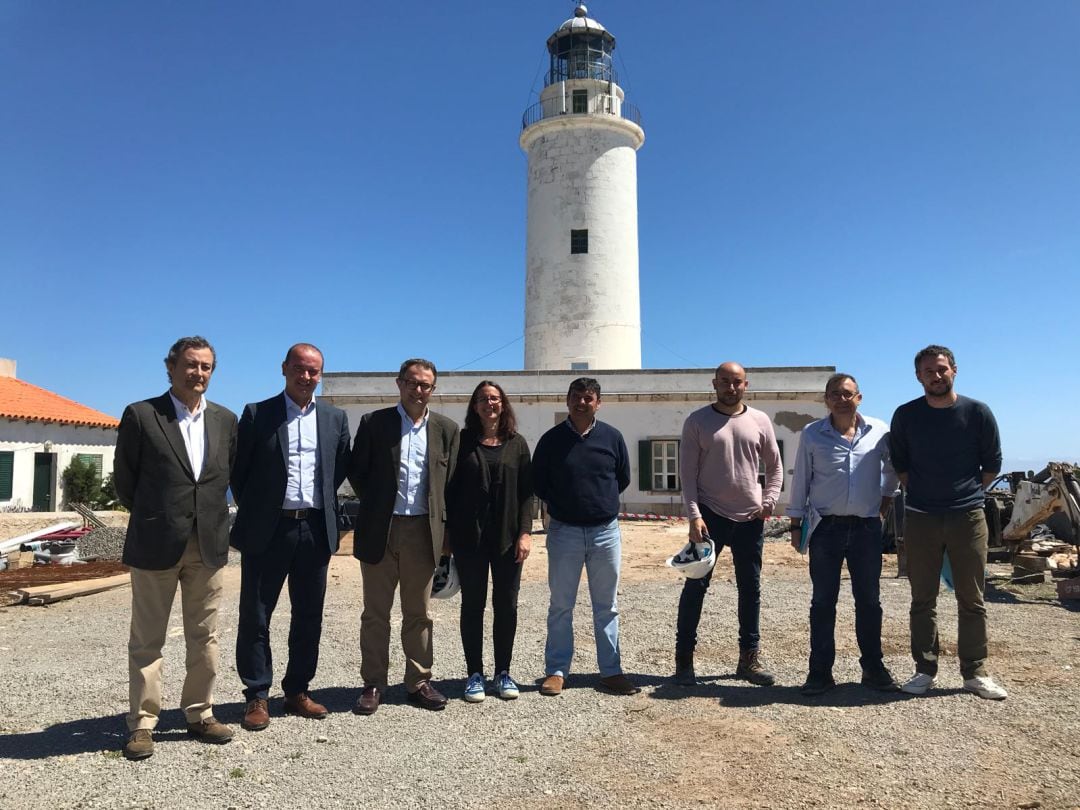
(173, 455)
(291, 457)
(402, 458)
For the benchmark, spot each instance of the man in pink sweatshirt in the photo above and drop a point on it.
(723, 446)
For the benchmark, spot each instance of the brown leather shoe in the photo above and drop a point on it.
(256, 715)
(140, 744)
(428, 697)
(552, 685)
(303, 706)
(369, 700)
(620, 685)
(210, 731)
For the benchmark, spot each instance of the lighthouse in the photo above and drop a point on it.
(582, 305)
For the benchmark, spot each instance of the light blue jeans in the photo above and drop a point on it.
(599, 550)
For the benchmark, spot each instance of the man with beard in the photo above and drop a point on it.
(946, 450)
(723, 445)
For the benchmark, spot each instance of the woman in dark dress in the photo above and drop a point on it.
(489, 513)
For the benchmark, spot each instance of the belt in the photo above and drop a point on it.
(297, 514)
(846, 519)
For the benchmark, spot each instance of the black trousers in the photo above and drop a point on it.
(473, 568)
(298, 552)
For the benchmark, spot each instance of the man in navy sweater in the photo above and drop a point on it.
(946, 450)
(579, 469)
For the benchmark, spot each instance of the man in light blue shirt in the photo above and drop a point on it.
(843, 483)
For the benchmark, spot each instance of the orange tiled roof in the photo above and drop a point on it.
(21, 400)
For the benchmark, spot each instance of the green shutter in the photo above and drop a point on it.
(7, 471)
(644, 454)
(92, 460)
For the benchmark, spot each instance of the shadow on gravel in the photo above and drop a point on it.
(90, 734)
(738, 695)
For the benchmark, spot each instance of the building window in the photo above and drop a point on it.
(580, 100)
(761, 468)
(7, 471)
(579, 241)
(580, 366)
(658, 465)
(91, 460)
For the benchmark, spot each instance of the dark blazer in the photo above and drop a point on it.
(155, 482)
(471, 494)
(260, 475)
(373, 473)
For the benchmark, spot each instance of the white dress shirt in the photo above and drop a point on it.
(412, 488)
(193, 430)
(302, 467)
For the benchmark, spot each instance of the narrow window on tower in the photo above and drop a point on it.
(579, 241)
(580, 101)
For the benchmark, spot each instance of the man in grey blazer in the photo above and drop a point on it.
(173, 456)
(291, 457)
(402, 458)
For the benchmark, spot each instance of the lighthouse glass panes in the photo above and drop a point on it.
(580, 101)
(579, 241)
(582, 56)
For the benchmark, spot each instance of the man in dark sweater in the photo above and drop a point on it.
(579, 468)
(946, 450)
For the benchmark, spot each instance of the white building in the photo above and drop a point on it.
(40, 433)
(648, 406)
(582, 310)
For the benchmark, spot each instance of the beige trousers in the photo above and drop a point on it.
(408, 560)
(152, 595)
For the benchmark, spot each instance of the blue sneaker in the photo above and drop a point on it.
(508, 690)
(474, 688)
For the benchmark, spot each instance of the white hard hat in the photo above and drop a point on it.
(694, 560)
(446, 583)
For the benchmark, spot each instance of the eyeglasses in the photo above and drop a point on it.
(846, 396)
(416, 385)
(488, 399)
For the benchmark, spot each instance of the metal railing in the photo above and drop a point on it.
(601, 104)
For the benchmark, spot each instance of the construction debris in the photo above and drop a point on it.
(47, 594)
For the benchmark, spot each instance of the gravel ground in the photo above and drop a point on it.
(106, 543)
(63, 687)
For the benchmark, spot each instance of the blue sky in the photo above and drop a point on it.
(830, 183)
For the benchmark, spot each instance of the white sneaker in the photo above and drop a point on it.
(508, 690)
(474, 689)
(984, 687)
(918, 683)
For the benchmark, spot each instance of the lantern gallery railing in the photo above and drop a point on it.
(599, 104)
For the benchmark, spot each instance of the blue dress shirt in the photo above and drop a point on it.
(412, 488)
(840, 477)
(302, 490)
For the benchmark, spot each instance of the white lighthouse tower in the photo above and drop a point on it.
(582, 306)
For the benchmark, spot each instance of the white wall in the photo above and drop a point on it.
(650, 404)
(25, 439)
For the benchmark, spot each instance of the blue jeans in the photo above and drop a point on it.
(599, 550)
(858, 541)
(746, 540)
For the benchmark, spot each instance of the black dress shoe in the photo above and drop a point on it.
(369, 701)
(817, 683)
(428, 697)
